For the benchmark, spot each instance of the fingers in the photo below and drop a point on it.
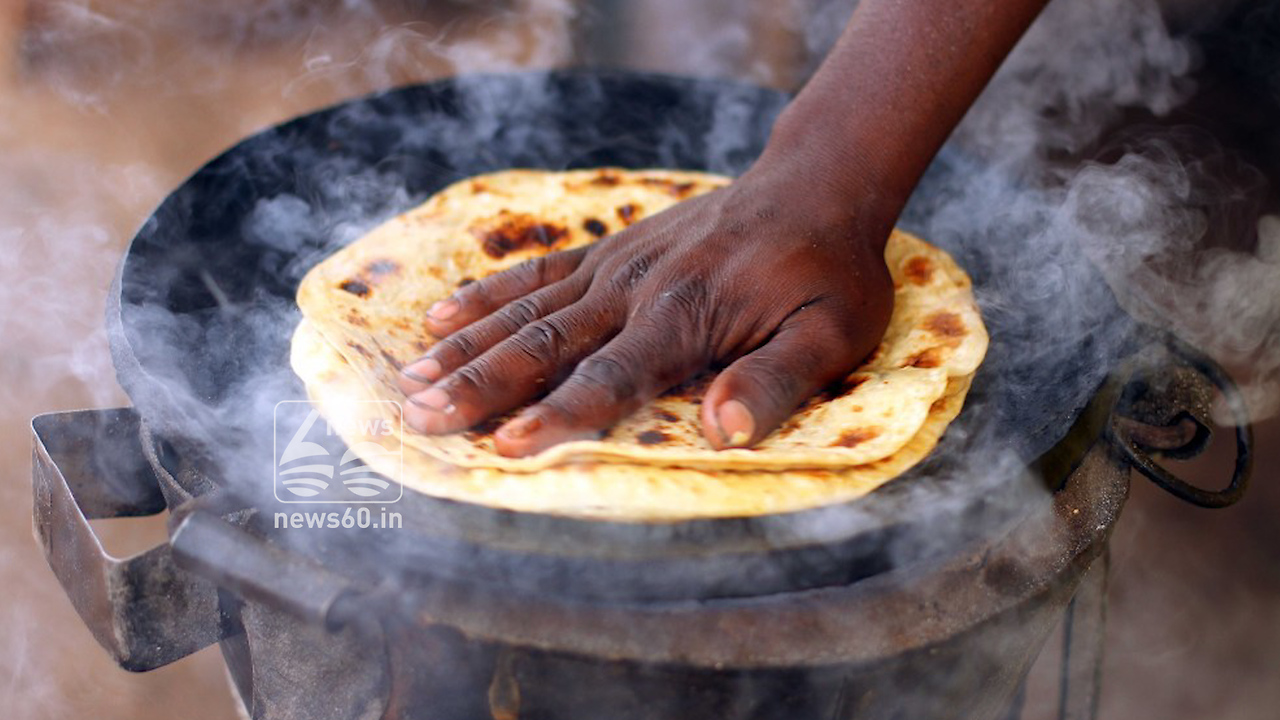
(755, 394)
(605, 387)
(471, 342)
(474, 301)
(514, 370)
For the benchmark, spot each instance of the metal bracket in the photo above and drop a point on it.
(144, 610)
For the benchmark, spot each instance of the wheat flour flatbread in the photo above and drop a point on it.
(368, 302)
(614, 491)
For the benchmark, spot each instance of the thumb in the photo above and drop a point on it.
(754, 395)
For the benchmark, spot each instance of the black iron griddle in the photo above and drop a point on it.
(201, 323)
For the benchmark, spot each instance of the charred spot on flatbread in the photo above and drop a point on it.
(606, 178)
(595, 227)
(361, 349)
(369, 276)
(946, 325)
(652, 437)
(855, 437)
(674, 188)
(378, 269)
(511, 232)
(356, 287)
(919, 270)
(841, 388)
(390, 359)
(927, 358)
(627, 213)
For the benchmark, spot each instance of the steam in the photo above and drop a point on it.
(1058, 242)
(1168, 206)
(1078, 67)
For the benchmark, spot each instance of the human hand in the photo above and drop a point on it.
(771, 276)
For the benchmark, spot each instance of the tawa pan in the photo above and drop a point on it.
(204, 305)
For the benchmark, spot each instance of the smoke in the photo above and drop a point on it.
(104, 109)
(142, 93)
(1075, 71)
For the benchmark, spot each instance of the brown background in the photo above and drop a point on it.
(105, 107)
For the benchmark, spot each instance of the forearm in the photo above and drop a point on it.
(897, 82)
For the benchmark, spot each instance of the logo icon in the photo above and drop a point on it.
(313, 465)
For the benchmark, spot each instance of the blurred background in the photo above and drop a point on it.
(107, 106)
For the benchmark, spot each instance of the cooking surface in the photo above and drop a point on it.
(207, 305)
(1195, 594)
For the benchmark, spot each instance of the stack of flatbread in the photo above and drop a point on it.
(364, 310)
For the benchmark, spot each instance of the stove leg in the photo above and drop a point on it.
(504, 689)
(1084, 631)
(1019, 701)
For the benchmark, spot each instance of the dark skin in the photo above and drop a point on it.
(780, 277)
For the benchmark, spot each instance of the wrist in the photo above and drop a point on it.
(839, 184)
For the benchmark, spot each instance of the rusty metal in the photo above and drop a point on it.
(891, 613)
(143, 610)
(212, 548)
(841, 646)
(1167, 405)
(1084, 637)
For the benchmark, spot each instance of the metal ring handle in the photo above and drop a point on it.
(144, 610)
(1142, 461)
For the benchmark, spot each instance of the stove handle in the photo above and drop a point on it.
(1178, 427)
(144, 610)
(203, 539)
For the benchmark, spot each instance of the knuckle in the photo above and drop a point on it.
(494, 289)
(541, 339)
(606, 377)
(476, 294)
(461, 344)
(519, 313)
(630, 272)
(775, 384)
(681, 301)
(808, 358)
(471, 378)
(843, 333)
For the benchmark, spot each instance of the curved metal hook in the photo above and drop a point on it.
(1136, 453)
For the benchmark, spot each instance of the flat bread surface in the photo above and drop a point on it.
(614, 491)
(368, 302)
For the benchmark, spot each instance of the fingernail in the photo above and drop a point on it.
(521, 427)
(425, 370)
(434, 399)
(736, 423)
(444, 309)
